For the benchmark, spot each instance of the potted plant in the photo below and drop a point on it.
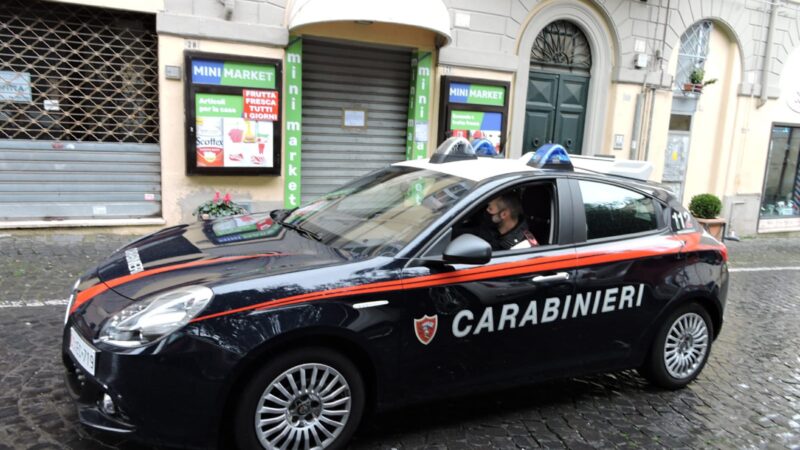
(219, 207)
(705, 208)
(696, 83)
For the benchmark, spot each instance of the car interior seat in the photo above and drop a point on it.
(537, 204)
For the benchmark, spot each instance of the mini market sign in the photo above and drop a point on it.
(477, 94)
(229, 73)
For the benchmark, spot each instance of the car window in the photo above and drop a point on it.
(615, 211)
(380, 213)
(532, 204)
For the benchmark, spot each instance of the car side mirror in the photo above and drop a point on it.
(468, 249)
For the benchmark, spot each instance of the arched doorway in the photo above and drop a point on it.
(558, 87)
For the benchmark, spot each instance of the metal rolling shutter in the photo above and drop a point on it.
(337, 76)
(97, 155)
(78, 180)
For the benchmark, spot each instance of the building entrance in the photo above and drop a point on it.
(558, 87)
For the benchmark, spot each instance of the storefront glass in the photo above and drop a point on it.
(781, 197)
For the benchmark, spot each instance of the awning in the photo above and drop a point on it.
(429, 15)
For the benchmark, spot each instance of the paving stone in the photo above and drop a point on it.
(748, 396)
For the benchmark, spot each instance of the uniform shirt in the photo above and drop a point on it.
(516, 238)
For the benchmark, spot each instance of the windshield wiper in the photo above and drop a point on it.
(299, 229)
(279, 214)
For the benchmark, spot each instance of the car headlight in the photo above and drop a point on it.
(71, 299)
(147, 320)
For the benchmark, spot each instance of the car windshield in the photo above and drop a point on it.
(379, 213)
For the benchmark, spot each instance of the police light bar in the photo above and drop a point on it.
(453, 149)
(549, 156)
(638, 170)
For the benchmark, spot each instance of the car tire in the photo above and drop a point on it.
(324, 410)
(680, 349)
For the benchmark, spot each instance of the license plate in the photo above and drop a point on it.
(82, 351)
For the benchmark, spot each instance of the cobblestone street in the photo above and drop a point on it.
(748, 396)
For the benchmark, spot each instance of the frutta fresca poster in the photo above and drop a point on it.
(236, 130)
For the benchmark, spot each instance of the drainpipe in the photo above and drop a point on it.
(229, 5)
(773, 14)
(650, 124)
(637, 123)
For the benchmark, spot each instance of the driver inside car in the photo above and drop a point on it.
(506, 228)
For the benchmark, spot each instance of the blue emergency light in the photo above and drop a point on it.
(551, 156)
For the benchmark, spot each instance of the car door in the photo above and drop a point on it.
(629, 267)
(490, 323)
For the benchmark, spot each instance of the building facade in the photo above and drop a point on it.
(145, 109)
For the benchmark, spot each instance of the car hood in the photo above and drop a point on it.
(212, 252)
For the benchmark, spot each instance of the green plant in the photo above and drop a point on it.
(697, 76)
(705, 206)
(219, 207)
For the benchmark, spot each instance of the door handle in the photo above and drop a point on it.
(560, 276)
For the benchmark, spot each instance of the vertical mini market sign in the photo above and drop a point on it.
(419, 107)
(233, 115)
(294, 114)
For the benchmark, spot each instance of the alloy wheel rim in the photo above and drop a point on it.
(304, 408)
(686, 345)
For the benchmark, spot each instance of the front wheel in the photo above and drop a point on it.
(310, 398)
(681, 348)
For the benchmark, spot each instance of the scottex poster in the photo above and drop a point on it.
(236, 119)
(228, 135)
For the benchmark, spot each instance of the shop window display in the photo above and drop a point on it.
(781, 196)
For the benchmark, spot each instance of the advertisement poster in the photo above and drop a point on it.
(483, 129)
(225, 135)
(476, 110)
(15, 87)
(235, 106)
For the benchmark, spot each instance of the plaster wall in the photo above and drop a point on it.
(620, 115)
(744, 182)
(713, 122)
(182, 193)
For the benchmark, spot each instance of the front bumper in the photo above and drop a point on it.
(172, 394)
(88, 394)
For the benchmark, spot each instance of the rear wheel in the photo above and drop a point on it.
(306, 399)
(681, 348)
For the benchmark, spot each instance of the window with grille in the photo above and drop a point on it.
(693, 51)
(100, 66)
(562, 45)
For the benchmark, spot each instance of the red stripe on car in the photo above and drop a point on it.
(88, 294)
(613, 252)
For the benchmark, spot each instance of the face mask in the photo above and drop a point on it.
(495, 218)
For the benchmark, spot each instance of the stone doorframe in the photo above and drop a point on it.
(604, 45)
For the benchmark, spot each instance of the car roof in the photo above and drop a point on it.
(482, 169)
(473, 169)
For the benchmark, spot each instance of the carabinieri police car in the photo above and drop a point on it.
(283, 330)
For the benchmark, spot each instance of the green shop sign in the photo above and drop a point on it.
(419, 107)
(218, 105)
(466, 120)
(294, 115)
(477, 94)
(228, 73)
